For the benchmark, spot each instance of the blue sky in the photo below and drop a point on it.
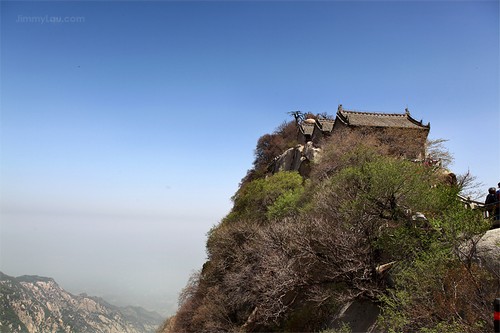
(125, 132)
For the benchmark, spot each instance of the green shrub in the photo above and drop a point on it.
(268, 198)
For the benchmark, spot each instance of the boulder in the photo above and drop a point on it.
(295, 158)
(488, 250)
(359, 315)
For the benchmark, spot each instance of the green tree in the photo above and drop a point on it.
(268, 198)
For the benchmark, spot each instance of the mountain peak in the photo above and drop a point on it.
(34, 279)
(31, 303)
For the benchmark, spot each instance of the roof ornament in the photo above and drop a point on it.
(339, 109)
(407, 112)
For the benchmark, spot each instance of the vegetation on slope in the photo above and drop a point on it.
(271, 145)
(293, 251)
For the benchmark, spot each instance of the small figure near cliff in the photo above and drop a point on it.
(491, 202)
(497, 208)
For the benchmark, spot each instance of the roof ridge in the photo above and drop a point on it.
(376, 113)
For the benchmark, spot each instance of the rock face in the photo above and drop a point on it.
(297, 159)
(488, 250)
(37, 304)
(358, 315)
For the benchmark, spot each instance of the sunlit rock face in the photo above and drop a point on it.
(297, 159)
(38, 304)
(488, 250)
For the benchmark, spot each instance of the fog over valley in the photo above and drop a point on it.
(126, 260)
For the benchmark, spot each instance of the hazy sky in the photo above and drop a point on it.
(127, 126)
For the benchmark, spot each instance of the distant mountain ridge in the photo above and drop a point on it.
(36, 304)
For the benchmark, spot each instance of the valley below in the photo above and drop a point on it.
(38, 304)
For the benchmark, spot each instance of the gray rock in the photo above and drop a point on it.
(35, 304)
(488, 250)
(358, 315)
(294, 158)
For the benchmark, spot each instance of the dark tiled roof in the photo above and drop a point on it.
(326, 124)
(357, 118)
(307, 128)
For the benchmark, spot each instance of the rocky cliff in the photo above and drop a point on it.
(38, 304)
(352, 237)
(297, 158)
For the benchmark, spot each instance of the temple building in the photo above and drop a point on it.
(401, 132)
